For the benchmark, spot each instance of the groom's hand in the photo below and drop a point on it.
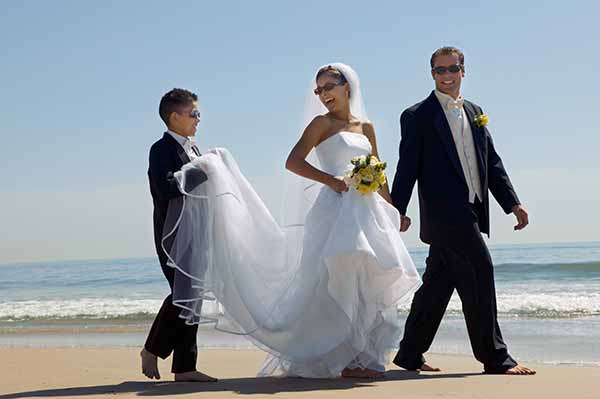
(522, 217)
(404, 223)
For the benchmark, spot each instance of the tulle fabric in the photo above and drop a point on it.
(317, 306)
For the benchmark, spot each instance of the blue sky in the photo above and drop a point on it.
(81, 83)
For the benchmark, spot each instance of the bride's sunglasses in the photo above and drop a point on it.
(327, 87)
(452, 69)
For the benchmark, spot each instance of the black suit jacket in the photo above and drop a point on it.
(428, 155)
(167, 156)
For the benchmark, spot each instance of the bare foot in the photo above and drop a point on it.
(149, 364)
(426, 367)
(520, 370)
(361, 373)
(194, 376)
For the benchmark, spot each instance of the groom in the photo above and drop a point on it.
(169, 333)
(448, 149)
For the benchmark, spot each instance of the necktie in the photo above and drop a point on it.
(190, 147)
(455, 107)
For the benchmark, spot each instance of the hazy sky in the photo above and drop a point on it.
(80, 84)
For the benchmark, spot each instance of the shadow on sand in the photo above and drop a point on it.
(242, 386)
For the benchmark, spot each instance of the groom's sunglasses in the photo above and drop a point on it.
(452, 69)
(327, 87)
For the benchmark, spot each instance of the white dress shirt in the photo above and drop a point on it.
(186, 143)
(463, 140)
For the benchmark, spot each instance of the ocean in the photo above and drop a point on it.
(548, 303)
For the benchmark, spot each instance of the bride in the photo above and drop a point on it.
(319, 293)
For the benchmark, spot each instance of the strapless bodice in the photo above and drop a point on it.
(336, 152)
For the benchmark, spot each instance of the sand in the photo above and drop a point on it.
(115, 372)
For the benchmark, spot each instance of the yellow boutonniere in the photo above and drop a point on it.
(481, 120)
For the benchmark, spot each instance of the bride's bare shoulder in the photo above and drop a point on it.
(319, 126)
(368, 129)
(322, 121)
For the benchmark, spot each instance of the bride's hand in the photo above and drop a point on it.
(337, 184)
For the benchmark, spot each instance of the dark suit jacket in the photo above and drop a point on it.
(166, 158)
(428, 155)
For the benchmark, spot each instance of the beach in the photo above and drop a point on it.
(169, 163)
(72, 329)
(115, 372)
(548, 299)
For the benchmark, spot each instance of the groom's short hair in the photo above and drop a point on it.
(174, 101)
(447, 50)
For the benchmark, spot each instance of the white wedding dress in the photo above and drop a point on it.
(320, 292)
(361, 270)
(317, 302)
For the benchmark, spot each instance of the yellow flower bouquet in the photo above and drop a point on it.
(367, 176)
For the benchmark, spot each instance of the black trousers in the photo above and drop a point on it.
(464, 264)
(169, 333)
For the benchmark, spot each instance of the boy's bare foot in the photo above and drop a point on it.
(194, 376)
(361, 373)
(520, 370)
(426, 367)
(149, 364)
